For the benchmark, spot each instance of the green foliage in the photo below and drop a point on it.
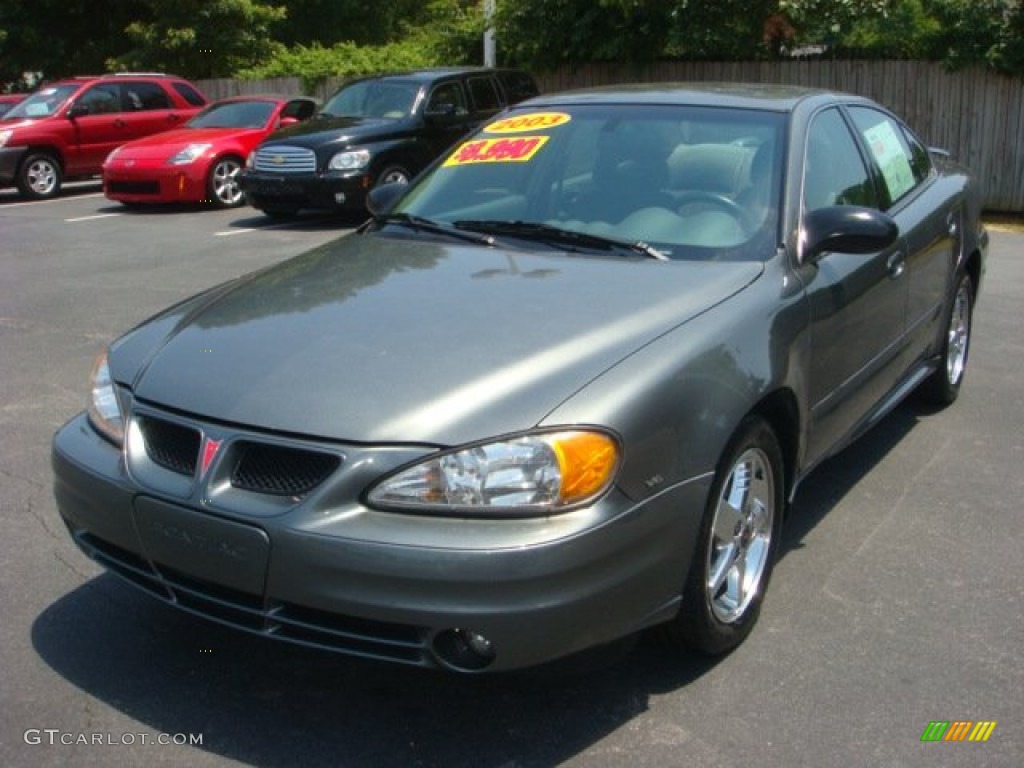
(200, 38)
(902, 31)
(451, 31)
(364, 22)
(57, 38)
(450, 34)
(546, 34)
(315, 63)
(983, 32)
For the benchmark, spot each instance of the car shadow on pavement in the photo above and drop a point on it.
(832, 480)
(271, 704)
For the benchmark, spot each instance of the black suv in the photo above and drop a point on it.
(374, 130)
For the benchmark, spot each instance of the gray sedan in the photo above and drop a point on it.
(560, 389)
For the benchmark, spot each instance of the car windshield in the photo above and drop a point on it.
(373, 98)
(234, 114)
(690, 182)
(43, 102)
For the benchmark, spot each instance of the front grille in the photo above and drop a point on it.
(348, 635)
(172, 446)
(134, 187)
(284, 159)
(280, 470)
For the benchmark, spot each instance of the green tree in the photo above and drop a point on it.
(199, 38)
(56, 38)
(982, 32)
(364, 22)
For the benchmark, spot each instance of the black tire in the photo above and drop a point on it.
(943, 386)
(740, 531)
(222, 190)
(40, 176)
(393, 174)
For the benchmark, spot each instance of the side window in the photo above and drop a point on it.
(484, 94)
(101, 99)
(447, 98)
(140, 97)
(189, 94)
(902, 165)
(834, 171)
(517, 86)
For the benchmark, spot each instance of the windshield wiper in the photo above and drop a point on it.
(421, 224)
(568, 238)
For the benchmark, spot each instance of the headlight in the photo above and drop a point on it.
(188, 154)
(531, 474)
(250, 159)
(5, 137)
(104, 408)
(350, 160)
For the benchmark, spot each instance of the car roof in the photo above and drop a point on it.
(763, 96)
(429, 74)
(114, 77)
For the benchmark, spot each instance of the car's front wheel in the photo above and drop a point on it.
(739, 536)
(39, 177)
(222, 183)
(943, 386)
(393, 174)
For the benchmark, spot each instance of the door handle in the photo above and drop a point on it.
(119, 123)
(173, 118)
(896, 264)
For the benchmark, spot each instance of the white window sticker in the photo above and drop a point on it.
(888, 151)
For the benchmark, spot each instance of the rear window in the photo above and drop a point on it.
(189, 94)
(484, 94)
(143, 96)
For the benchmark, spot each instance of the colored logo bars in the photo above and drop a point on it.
(958, 730)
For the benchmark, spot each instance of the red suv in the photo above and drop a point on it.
(67, 128)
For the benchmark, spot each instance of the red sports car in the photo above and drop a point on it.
(198, 163)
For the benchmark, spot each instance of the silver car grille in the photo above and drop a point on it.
(285, 159)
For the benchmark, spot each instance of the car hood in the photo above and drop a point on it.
(375, 339)
(169, 142)
(337, 130)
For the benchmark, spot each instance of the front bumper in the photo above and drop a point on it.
(157, 184)
(10, 158)
(325, 571)
(332, 191)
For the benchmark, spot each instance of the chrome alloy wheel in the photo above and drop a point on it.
(224, 182)
(741, 536)
(958, 334)
(41, 176)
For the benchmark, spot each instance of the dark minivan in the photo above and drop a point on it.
(375, 130)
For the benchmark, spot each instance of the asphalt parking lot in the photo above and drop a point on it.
(897, 600)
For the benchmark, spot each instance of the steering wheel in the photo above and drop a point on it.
(730, 206)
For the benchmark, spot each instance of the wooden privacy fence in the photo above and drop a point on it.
(977, 115)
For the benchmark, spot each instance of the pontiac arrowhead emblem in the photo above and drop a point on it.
(210, 448)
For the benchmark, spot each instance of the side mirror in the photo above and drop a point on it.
(77, 110)
(846, 229)
(381, 199)
(286, 121)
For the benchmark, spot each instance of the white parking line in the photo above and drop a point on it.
(4, 206)
(230, 232)
(90, 218)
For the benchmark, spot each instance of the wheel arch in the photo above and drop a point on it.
(45, 149)
(780, 410)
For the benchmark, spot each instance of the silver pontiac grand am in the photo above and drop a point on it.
(559, 389)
